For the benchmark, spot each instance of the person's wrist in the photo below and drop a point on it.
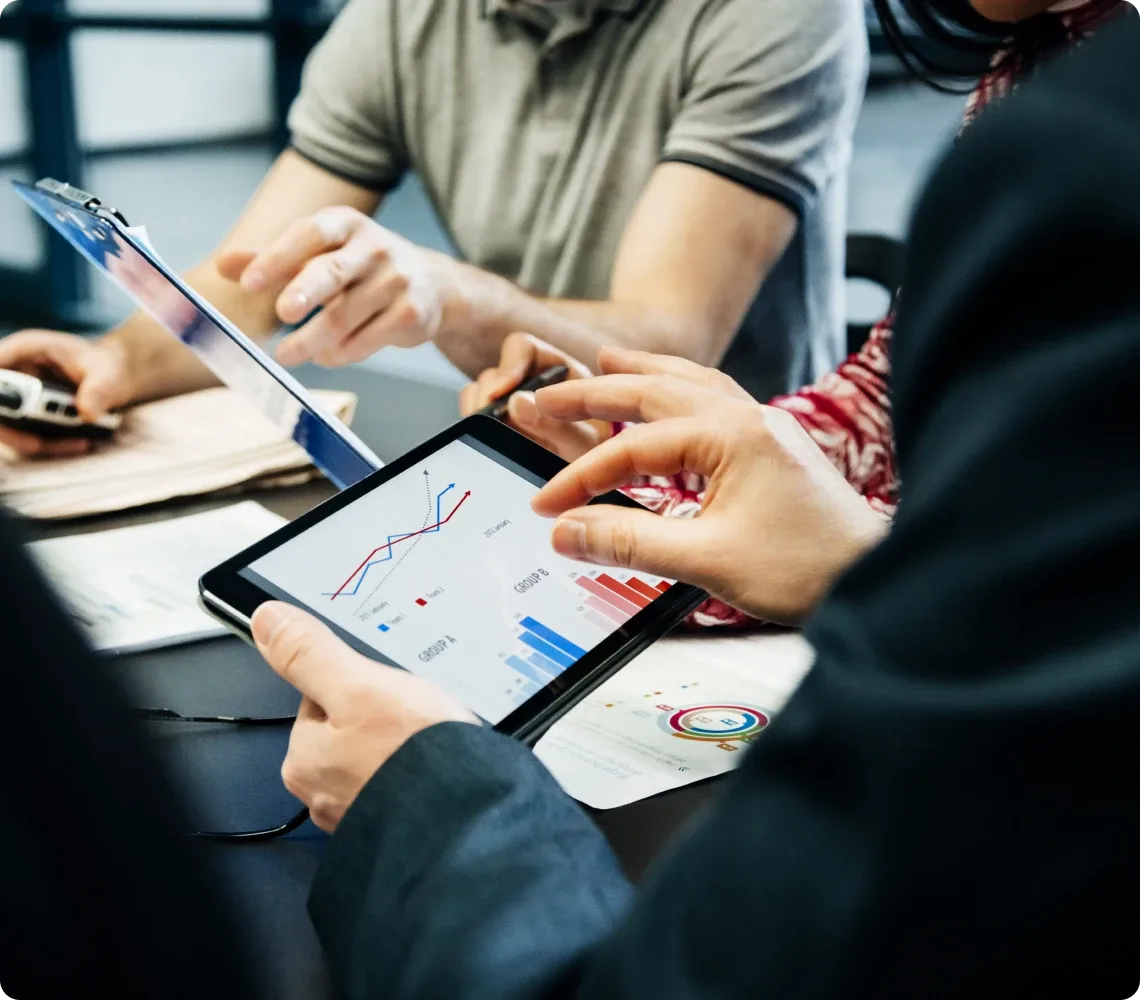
(861, 535)
(117, 343)
(148, 364)
(470, 298)
(796, 598)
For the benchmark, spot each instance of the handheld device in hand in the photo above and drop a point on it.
(552, 376)
(47, 409)
(438, 565)
(101, 234)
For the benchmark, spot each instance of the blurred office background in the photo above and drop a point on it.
(171, 110)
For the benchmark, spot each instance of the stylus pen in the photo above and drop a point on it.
(552, 376)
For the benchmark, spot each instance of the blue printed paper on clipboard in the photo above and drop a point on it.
(124, 254)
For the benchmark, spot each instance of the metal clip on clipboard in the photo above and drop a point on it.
(80, 199)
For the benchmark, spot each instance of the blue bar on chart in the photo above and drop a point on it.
(547, 650)
(529, 672)
(556, 640)
(544, 664)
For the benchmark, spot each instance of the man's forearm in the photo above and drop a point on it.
(159, 364)
(493, 308)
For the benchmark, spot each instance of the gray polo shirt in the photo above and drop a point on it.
(535, 128)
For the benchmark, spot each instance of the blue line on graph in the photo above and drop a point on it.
(388, 545)
(543, 663)
(553, 638)
(435, 530)
(528, 671)
(547, 650)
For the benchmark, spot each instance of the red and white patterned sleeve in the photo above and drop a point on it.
(847, 413)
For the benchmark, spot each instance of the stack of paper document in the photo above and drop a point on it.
(136, 588)
(189, 445)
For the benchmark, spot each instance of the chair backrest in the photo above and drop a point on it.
(879, 260)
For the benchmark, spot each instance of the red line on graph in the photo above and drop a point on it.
(402, 538)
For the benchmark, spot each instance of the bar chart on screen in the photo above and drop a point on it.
(609, 600)
(617, 597)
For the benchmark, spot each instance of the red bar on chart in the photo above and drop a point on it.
(608, 610)
(664, 586)
(623, 591)
(421, 602)
(608, 596)
(642, 588)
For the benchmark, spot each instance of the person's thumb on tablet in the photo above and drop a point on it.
(307, 655)
(355, 715)
(630, 539)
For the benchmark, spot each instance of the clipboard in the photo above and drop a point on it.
(102, 235)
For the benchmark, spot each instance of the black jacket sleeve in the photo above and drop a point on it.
(101, 891)
(948, 807)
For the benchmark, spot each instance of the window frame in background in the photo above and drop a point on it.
(57, 292)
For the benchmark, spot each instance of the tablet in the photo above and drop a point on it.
(102, 235)
(438, 565)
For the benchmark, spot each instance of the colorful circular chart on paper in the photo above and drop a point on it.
(715, 723)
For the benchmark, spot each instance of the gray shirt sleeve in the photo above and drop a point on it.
(771, 94)
(346, 118)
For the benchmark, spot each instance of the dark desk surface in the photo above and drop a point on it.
(226, 677)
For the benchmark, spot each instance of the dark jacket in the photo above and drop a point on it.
(102, 894)
(950, 806)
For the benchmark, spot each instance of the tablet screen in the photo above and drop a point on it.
(445, 571)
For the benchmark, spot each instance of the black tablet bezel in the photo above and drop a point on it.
(233, 599)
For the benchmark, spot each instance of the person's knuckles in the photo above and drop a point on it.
(408, 323)
(395, 284)
(616, 539)
(518, 349)
(488, 380)
(294, 776)
(377, 253)
(326, 812)
(332, 225)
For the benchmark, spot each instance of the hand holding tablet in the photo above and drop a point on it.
(438, 565)
(354, 715)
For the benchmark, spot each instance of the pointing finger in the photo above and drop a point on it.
(660, 449)
(639, 398)
(279, 263)
(231, 264)
(618, 361)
